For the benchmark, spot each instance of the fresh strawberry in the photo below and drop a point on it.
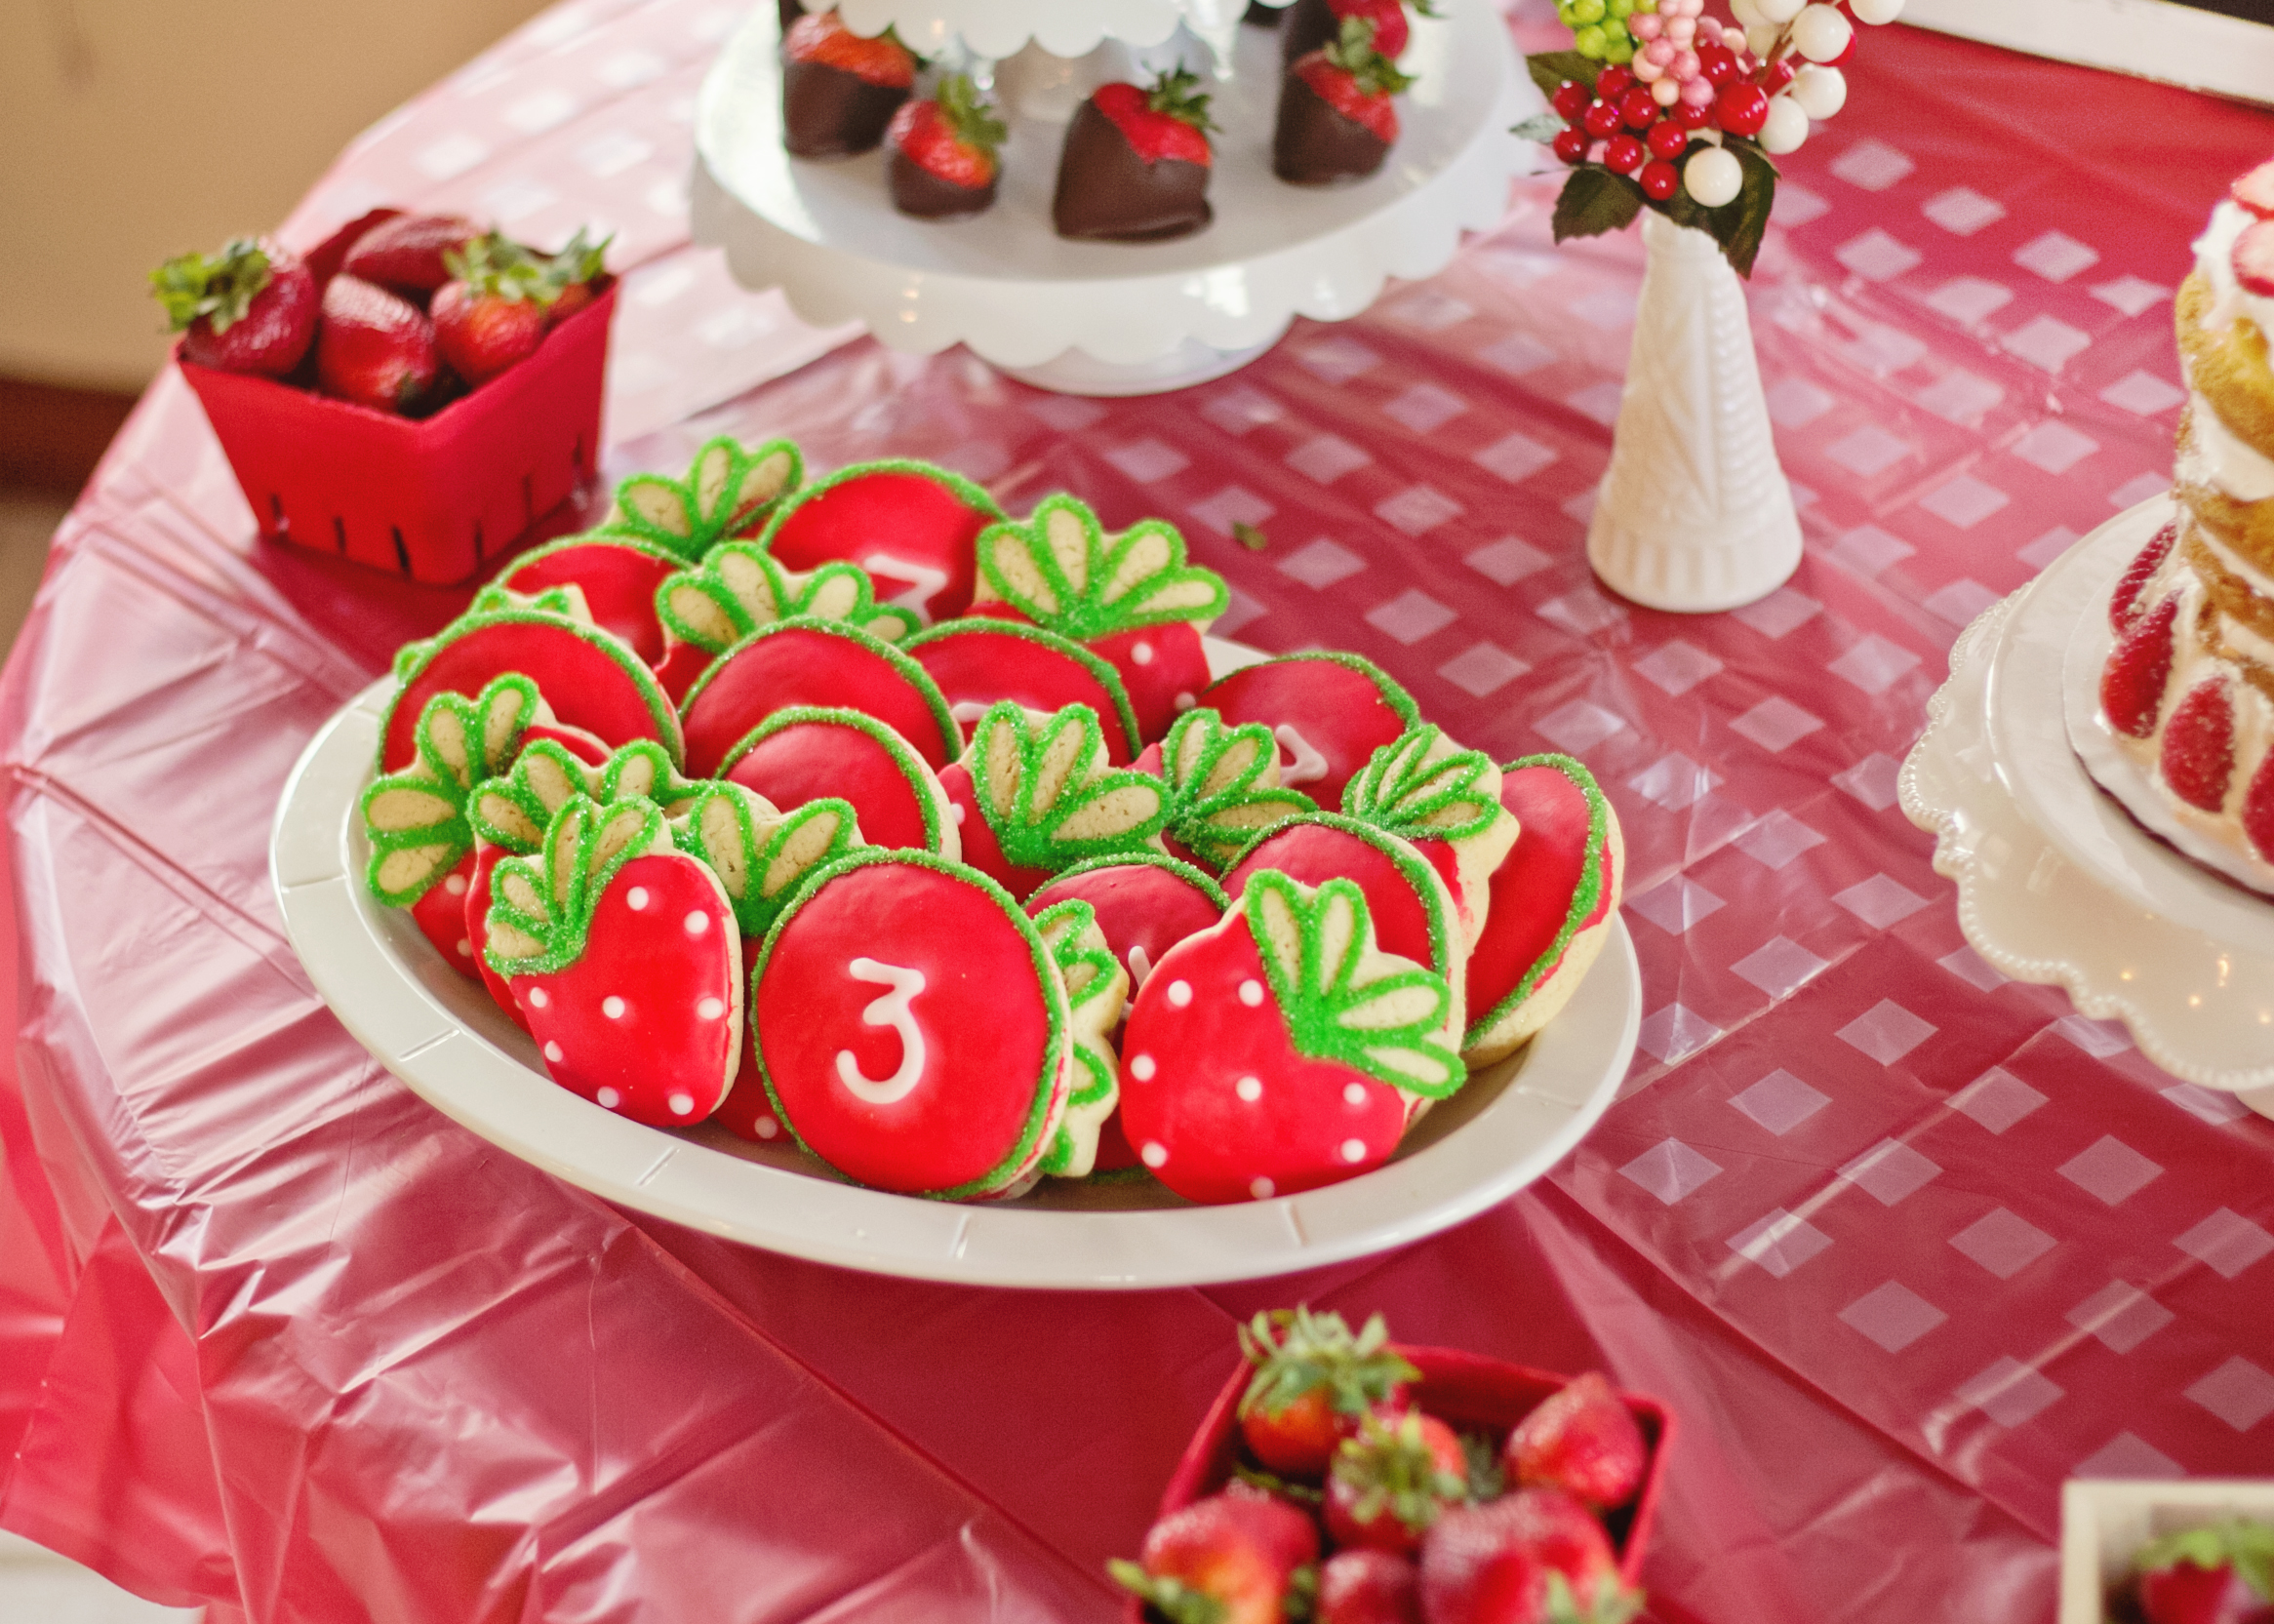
(2199, 746)
(2258, 809)
(1582, 1440)
(1367, 1587)
(1230, 1558)
(822, 37)
(325, 260)
(1277, 1050)
(376, 349)
(1167, 119)
(2255, 191)
(572, 274)
(1356, 79)
(490, 315)
(250, 308)
(1392, 1480)
(2131, 682)
(406, 253)
(2219, 1575)
(624, 952)
(2124, 600)
(2252, 258)
(1534, 1557)
(954, 138)
(1314, 1382)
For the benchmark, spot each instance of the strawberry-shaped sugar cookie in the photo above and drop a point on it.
(1096, 993)
(622, 951)
(729, 490)
(1445, 802)
(1034, 795)
(592, 679)
(977, 661)
(913, 1026)
(1413, 911)
(910, 524)
(1223, 786)
(1276, 1052)
(811, 751)
(706, 610)
(1145, 903)
(1554, 896)
(1130, 599)
(617, 575)
(814, 662)
(1329, 712)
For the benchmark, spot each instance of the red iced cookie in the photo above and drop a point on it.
(912, 1027)
(808, 751)
(1328, 712)
(625, 955)
(1277, 1050)
(910, 524)
(618, 575)
(728, 492)
(1147, 903)
(1223, 786)
(1132, 599)
(707, 609)
(977, 661)
(592, 678)
(1034, 795)
(814, 662)
(1444, 802)
(1554, 896)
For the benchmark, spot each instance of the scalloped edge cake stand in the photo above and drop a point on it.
(1063, 27)
(2056, 883)
(1114, 318)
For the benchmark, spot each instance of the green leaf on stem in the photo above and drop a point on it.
(1550, 68)
(1594, 201)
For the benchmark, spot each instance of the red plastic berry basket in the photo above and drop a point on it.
(1467, 1390)
(433, 498)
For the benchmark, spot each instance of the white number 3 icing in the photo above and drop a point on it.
(1304, 765)
(890, 1010)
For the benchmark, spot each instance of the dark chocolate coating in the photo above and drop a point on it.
(791, 10)
(828, 112)
(1314, 144)
(1108, 194)
(1256, 16)
(1310, 23)
(917, 191)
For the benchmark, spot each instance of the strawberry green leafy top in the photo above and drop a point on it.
(219, 286)
(1354, 53)
(514, 810)
(739, 587)
(540, 909)
(1223, 785)
(1062, 571)
(417, 819)
(969, 115)
(1045, 790)
(763, 857)
(1297, 1352)
(1422, 786)
(1343, 997)
(728, 491)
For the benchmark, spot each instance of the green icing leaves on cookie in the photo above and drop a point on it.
(1062, 571)
(728, 491)
(739, 587)
(1097, 991)
(762, 857)
(645, 769)
(1343, 997)
(1423, 786)
(1223, 785)
(418, 819)
(540, 908)
(1044, 787)
(515, 809)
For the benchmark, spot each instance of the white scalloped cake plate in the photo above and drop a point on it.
(2056, 883)
(1062, 27)
(1007, 285)
(441, 1033)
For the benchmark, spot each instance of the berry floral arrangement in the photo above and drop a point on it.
(1661, 107)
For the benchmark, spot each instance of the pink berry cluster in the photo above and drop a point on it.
(1694, 79)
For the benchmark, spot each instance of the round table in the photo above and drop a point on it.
(1904, 1244)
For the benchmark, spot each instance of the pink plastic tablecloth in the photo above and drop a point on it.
(1903, 1243)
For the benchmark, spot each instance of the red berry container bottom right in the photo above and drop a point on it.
(1466, 1389)
(435, 498)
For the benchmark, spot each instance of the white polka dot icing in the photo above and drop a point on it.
(1354, 1093)
(697, 922)
(538, 998)
(465, 948)
(636, 900)
(682, 1105)
(1142, 1067)
(1142, 654)
(612, 1007)
(1353, 1150)
(552, 1052)
(1154, 1154)
(710, 1009)
(609, 1098)
(1179, 993)
(1252, 993)
(456, 885)
(1263, 1189)
(768, 1128)
(1248, 1088)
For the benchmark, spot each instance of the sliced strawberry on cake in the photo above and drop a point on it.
(839, 89)
(1137, 163)
(250, 308)
(947, 152)
(1035, 794)
(911, 526)
(1336, 118)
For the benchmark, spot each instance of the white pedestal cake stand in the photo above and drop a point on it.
(2056, 883)
(1113, 318)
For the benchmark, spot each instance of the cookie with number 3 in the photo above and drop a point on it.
(913, 1026)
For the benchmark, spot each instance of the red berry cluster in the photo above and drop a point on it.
(1637, 133)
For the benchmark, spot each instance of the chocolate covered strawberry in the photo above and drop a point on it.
(407, 252)
(1391, 1480)
(947, 152)
(2221, 1574)
(739, 587)
(1533, 1557)
(250, 308)
(1336, 119)
(1137, 163)
(1223, 786)
(729, 490)
(1130, 599)
(623, 953)
(810, 752)
(1582, 1439)
(376, 348)
(1445, 802)
(839, 89)
(1329, 712)
(978, 661)
(1313, 23)
(1229, 1558)
(1034, 794)
(1315, 1381)
(813, 662)
(490, 315)
(911, 526)
(1274, 1052)
(1096, 993)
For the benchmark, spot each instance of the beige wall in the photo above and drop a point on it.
(135, 129)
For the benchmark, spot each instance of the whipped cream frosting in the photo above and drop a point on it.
(2214, 454)
(2214, 259)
